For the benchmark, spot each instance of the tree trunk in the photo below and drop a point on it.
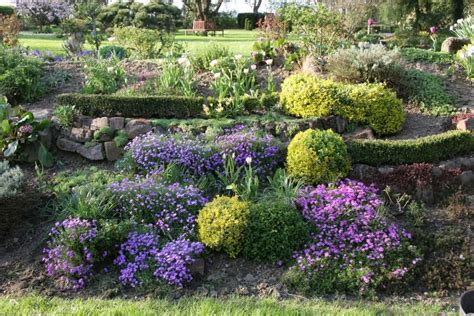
(256, 5)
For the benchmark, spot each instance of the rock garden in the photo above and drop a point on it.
(334, 160)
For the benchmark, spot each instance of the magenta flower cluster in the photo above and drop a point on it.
(353, 248)
(141, 260)
(172, 208)
(69, 256)
(26, 129)
(201, 156)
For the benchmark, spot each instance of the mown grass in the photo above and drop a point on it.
(238, 41)
(38, 305)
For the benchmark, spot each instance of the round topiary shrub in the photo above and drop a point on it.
(316, 156)
(221, 224)
(376, 106)
(305, 95)
(274, 231)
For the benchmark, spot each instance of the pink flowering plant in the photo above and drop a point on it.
(353, 249)
(18, 129)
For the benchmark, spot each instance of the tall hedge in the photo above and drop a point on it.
(425, 149)
(6, 10)
(252, 17)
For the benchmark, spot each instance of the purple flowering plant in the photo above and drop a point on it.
(70, 254)
(142, 260)
(170, 208)
(353, 249)
(201, 156)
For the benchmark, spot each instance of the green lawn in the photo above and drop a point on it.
(36, 305)
(238, 41)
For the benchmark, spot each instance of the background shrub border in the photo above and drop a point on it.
(151, 106)
(427, 149)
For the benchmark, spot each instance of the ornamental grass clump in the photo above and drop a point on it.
(143, 260)
(70, 254)
(316, 156)
(221, 224)
(353, 249)
(171, 208)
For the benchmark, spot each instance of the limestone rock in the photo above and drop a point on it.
(453, 44)
(112, 152)
(65, 144)
(94, 152)
(116, 123)
(136, 122)
(81, 135)
(99, 123)
(361, 133)
(467, 178)
(137, 130)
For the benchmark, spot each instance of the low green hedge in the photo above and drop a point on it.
(425, 149)
(150, 106)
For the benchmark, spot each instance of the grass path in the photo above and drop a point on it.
(238, 41)
(37, 305)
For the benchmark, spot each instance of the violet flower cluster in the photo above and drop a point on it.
(172, 208)
(69, 255)
(174, 259)
(136, 257)
(352, 243)
(244, 143)
(141, 260)
(152, 151)
(200, 156)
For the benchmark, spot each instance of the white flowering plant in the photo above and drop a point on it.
(178, 75)
(234, 78)
(464, 28)
(465, 58)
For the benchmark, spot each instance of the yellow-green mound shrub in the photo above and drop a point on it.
(373, 105)
(305, 95)
(222, 222)
(316, 156)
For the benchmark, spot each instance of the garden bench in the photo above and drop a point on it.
(205, 27)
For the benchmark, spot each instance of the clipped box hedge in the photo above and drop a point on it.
(155, 106)
(151, 106)
(425, 149)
